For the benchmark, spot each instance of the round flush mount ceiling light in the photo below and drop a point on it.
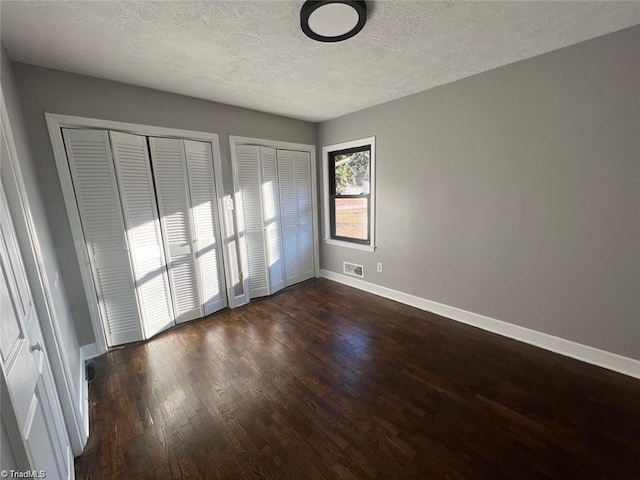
(332, 20)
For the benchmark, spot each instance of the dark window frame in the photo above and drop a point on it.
(333, 195)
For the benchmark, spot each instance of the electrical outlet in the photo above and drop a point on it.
(379, 267)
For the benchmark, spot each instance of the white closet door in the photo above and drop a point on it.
(248, 157)
(305, 216)
(24, 364)
(170, 173)
(96, 191)
(133, 171)
(294, 173)
(208, 243)
(287, 178)
(271, 216)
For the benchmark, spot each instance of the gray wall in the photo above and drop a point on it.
(515, 193)
(44, 90)
(64, 335)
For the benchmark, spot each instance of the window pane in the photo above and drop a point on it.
(352, 219)
(352, 173)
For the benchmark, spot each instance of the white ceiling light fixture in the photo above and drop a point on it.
(332, 20)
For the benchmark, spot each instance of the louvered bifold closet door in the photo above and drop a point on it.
(170, 173)
(289, 212)
(133, 170)
(294, 173)
(304, 207)
(248, 160)
(208, 241)
(271, 216)
(98, 200)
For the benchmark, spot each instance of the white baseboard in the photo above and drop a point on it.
(595, 356)
(89, 351)
(85, 408)
(70, 465)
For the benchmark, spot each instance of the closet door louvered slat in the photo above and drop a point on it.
(96, 191)
(208, 242)
(305, 216)
(133, 171)
(271, 216)
(248, 160)
(170, 173)
(294, 174)
(288, 205)
(276, 194)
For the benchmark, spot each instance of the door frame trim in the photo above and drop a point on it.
(234, 141)
(55, 122)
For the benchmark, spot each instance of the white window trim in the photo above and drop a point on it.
(234, 141)
(325, 192)
(55, 122)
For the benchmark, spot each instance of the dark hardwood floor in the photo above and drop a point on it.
(324, 381)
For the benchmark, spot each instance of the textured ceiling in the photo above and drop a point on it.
(253, 53)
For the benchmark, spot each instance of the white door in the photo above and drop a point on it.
(170, 173)
(138, 198)
(248, 159)
(96, 190)
(304, 204)
(206, 225)
(260, 193)
(25, 366)
(271, 218)
(294, 173)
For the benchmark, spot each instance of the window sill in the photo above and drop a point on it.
(356, 246)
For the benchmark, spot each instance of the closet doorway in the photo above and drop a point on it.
(145, 208)
(276, 198)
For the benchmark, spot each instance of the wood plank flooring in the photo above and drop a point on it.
(323, 381)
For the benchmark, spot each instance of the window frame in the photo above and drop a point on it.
(333, 195)
(329, 152)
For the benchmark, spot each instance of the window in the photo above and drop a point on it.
(349, 193)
